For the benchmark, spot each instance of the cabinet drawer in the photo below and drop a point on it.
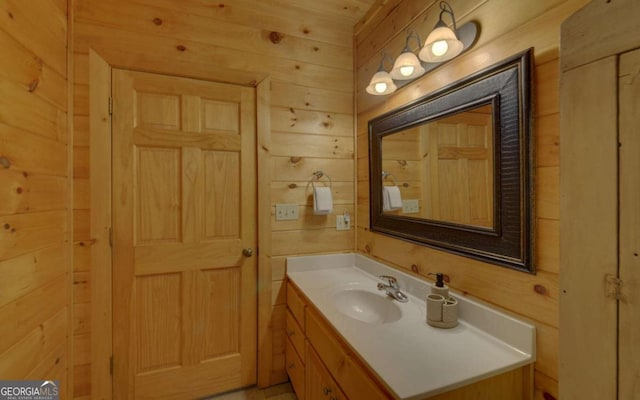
(296, 304)
(346, 369)
(320, 385)
(295, 334)
(295, 370)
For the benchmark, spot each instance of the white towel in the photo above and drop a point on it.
(391, 198)
(322, 200)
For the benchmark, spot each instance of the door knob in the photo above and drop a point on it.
(248, 252)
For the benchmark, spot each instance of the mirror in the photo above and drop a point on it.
(453, 170)
(444, 168)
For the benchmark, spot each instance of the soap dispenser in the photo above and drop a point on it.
(439, 287)
(442, 310)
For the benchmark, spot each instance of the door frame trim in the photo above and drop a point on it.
(100, 226)
(265, 308)
(100, 151)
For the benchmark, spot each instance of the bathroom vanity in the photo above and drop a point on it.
(347, 340)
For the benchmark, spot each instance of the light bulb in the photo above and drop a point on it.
(439, 48)
(407, 70)
(380, 87)
(381, 83)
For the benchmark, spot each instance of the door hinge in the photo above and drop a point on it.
(111, 365)
(110, 105)
(614, 287)
(111, 237)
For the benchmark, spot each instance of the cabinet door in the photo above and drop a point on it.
(295, 369)
(629, 305)
(354, 378)
(588, 231)
(319, 384)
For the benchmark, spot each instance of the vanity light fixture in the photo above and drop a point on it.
(442, 44)
(407, 65)
(381, 82)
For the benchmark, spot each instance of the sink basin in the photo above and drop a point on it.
(365, 306)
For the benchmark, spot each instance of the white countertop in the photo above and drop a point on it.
(414, 359)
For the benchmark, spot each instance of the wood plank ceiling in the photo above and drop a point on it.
(351, 10)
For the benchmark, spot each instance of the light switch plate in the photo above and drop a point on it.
(286, 212)
(410, 206)
(342, 223)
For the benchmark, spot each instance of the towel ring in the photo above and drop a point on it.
(318, 175)
(387, 174)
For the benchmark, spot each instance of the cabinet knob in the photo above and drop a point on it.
(248, 252)
(291, 366)
(326, 390)
(290, 333)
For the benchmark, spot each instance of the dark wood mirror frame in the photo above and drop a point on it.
(507, 86)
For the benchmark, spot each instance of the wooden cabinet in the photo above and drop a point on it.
(322, 366)
(313, 349)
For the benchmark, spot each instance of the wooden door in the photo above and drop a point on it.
(629, 259)
(184, 199)
(459, 168)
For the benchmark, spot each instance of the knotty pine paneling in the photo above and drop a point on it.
(20, 109)
(21, 146)
(506, 27)
(299, 192)
(31, 71)
(23, 275)
(297, 97)
(25, 316)
(31, 193)
(28, 232)
(308, 60)
(238, 37)
(292, 19)
(42, 30)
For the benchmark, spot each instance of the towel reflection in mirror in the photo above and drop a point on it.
(391, 198)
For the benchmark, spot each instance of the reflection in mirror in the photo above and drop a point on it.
(452, 170)
(444, 168)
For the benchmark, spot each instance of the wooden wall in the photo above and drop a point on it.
(506, 27)
(307, 58)
(35, 270)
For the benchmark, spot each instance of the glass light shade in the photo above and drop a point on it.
(380, 84)
(407, 66)
(441, 45)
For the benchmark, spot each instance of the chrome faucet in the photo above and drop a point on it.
(392, 289)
